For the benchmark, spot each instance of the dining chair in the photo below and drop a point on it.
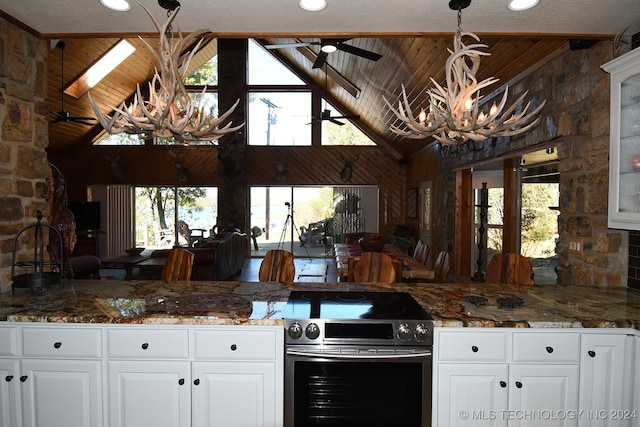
(375, 267)
(509, 268)
(421, 252)
(277, 267)
(178, 265)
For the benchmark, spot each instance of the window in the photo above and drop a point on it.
(164, 220)
(347, 134)
(307, 220)
(279, 118)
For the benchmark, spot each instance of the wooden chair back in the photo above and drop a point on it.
(179, 265)
(421, 252)
(277, 267)
(442, 267)
(375, 267)
(511, 269)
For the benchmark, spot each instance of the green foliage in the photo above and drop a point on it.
(344, 135)
(205, 75)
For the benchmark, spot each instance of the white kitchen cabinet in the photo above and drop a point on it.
(61, 393)
(543, 395)
(60, 374)
(604, 383)
(472, 394)
(497, 377)
(635, 394)
(149, 393)
(624, 150)
(234, 394)
(10, 414)
(201, 376)
(240, 374)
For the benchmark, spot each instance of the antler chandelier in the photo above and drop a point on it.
(169, 112)
(454, 115)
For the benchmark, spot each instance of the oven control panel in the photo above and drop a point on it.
(318, 331)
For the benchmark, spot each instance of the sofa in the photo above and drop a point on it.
(85, 266)
(218, 257)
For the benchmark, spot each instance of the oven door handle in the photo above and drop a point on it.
(290, 352)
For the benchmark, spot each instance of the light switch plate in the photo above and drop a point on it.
(576, 245)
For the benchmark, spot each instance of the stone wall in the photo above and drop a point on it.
(576, 122)
(23, 139)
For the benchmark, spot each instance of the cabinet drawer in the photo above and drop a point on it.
(546, 347)
(62, 342)
(235, 345)
(472, 346)
(148, 343)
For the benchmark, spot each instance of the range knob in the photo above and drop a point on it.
(404, 332)
(312, 331)
(295, 331)
(422, 333)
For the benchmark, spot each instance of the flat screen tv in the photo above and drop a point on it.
(87, 215)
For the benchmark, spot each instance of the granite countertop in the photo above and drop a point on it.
(252, 303)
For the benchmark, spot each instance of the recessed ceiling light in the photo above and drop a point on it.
(312, 5)
(329, 47)
(519, 5)
(118, 5)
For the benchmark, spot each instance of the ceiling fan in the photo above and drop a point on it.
(326, 113)
(63, 115)
(328, 46)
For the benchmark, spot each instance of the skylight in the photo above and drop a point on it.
(103, 66)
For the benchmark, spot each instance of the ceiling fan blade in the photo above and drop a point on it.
(360, 52)
(286, 45)
(333, 120)
(320, 60)
(352, 117)
(89, 121)
(65, 117)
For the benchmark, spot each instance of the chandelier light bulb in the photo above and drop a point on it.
(422, 117)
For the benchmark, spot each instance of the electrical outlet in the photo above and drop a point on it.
(576, 245)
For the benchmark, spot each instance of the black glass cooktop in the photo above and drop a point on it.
(353, 305)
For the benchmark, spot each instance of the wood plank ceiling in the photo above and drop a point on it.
(408, 61)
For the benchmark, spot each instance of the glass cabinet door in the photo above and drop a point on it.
(624, 153)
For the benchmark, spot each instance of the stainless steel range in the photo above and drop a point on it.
(357, 358)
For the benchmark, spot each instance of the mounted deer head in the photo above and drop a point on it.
(117, 173)
(347, 170)
(281, 167)
(183, 173)
(228, 158)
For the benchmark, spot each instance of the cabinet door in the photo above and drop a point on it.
(61, 393)
(602, 380)
(149, 394)
(624, 156)
(234, 394)
(543, 395)
(9, 394)
(471, 395)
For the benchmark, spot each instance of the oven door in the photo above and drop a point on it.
(357, 387)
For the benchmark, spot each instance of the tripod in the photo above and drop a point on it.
(294, 227)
